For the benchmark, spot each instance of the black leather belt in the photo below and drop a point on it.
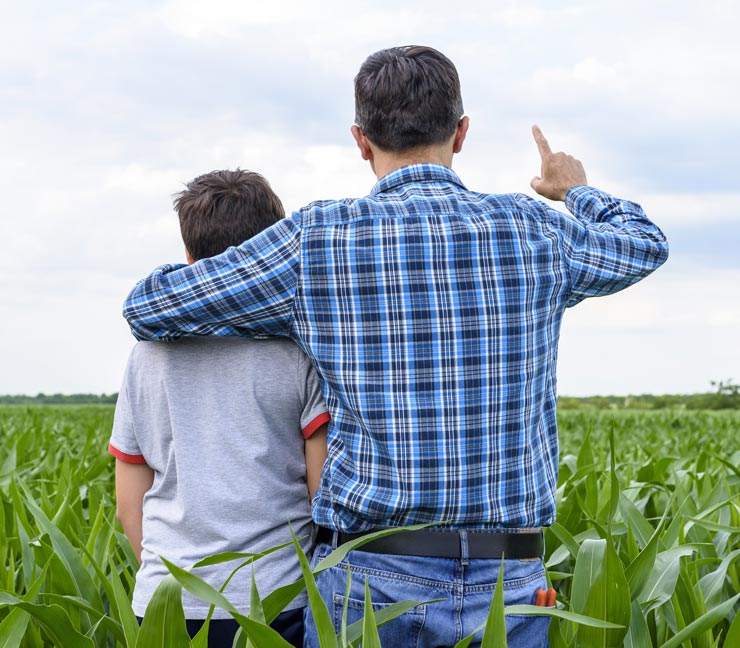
(447, 543)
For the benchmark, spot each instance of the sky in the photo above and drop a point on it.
(108, 108)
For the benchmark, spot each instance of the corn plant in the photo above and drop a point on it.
(644, 553)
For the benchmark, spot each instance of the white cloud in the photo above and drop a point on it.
(676, 329)
(105, 110)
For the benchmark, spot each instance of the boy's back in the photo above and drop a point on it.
(219, 421)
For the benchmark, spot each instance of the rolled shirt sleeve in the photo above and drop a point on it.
(608, 244)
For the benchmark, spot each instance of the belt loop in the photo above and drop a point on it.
(464, 554)
(334, 539)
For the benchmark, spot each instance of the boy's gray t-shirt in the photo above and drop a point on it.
(221, 421)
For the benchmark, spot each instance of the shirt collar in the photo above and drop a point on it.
(417, 173)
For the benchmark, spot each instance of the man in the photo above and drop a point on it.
(432, 314)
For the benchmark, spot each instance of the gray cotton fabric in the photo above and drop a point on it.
(220, 421)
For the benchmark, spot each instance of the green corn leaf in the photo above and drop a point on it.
(8, 467)
(384, 615)
(240, 639)
(200, 640)
(580, 619)
(638, 635)
(641, 567)
(321, 617)
(613, 481)
(28, 564)
(662, 580)
(588, 565)
(336, 556)
(101, 620)
(275, 602)
(163, 625)
(343, 628)
(608, 599)
(370, 637)
(494, 635)
(702, 624)
(121, 605)
(53, 618)
(259, 634)
(13, 628)
(555, 636)
(68, 555)
(714, 526)
(199, 588)
(585, 453)
(562, 552)
(533, 610)
(642, 529)
(687, 605)
(255, 603)
(569, 542)
(733, 634)
(227, 556)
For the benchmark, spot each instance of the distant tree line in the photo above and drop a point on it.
(60, 399)
(726, 395)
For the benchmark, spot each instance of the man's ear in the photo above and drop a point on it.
(362, 143)
(189, 257)
(460, 133)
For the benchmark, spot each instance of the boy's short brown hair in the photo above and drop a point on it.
(221, 209)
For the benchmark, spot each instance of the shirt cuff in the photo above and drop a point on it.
(316, 424)
(574, 194)
(128, 458)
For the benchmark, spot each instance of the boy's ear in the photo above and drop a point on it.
(189, 257)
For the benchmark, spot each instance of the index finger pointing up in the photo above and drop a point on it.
(542, 144)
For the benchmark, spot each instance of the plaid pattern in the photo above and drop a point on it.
(432, 313)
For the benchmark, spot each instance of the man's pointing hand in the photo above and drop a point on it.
(559, 172)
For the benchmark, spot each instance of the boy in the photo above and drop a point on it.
(207, 434)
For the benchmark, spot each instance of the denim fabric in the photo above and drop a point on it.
(466, 587)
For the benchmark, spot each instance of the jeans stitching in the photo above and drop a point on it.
(393, 576)
(515, 583)
(357, 604)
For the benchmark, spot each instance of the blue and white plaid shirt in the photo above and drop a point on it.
(432, 313)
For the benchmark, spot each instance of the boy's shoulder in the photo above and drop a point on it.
(211, 357)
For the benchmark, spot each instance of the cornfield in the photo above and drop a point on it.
(644, 553)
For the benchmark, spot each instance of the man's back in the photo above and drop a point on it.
(219, 421)
(432, 314)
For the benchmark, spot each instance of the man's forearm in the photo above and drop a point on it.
(247, 290)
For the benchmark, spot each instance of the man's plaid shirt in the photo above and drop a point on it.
(432, 314)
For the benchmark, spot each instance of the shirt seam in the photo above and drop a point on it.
(561, 245)
(299, 274)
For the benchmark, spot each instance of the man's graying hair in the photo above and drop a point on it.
(407, 97)
(221, 209)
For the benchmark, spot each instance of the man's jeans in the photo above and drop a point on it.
(466, 587)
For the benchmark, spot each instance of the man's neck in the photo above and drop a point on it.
(384, 163)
